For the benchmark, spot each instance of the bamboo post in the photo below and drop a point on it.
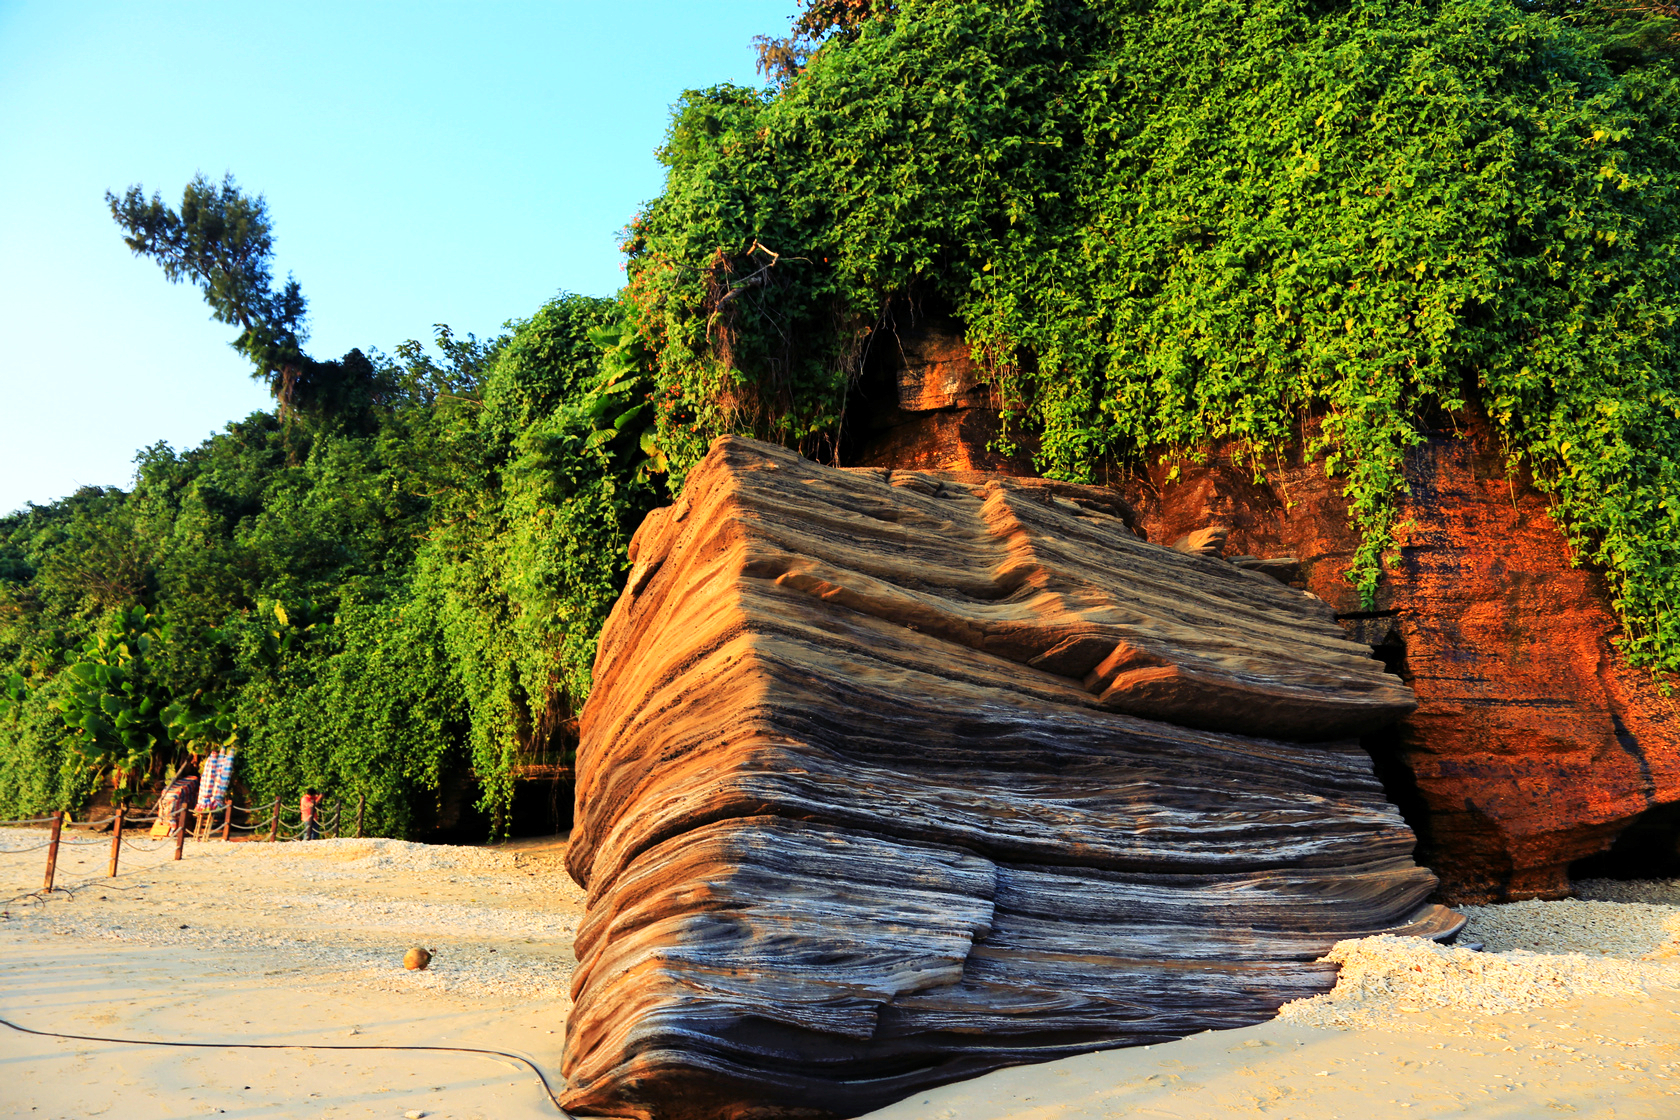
(361, 803)
(274, 823)
(338, 818)
(227, 820)
(116, 840)
(180, 830)
(52, 850)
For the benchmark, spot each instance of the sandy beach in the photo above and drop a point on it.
(1569, 1009)
(285, 943)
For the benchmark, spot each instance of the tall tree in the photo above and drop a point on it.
(782, 59)
(222, 241)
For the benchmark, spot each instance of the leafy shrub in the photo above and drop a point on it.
(383, 603)
(1167, 224)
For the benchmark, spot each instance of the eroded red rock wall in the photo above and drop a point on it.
(924, 404)
(1533, 743)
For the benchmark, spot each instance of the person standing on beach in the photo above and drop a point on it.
(306, 807)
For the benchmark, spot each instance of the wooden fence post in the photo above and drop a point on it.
(274, 824)
(116, 840)
(338, 818)
(52, 850)
(180, 830)
(227, 821)
(361, 803)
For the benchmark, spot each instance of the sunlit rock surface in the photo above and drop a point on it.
(1533, 744)
(890, 778)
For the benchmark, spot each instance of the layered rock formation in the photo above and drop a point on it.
(1533, 744)
(889, 778)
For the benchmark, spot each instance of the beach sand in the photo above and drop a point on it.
(1570, 1009)
(1588, 1058)
(285, 943)
(1573, 1009)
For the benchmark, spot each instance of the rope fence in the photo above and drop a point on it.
(327, 823)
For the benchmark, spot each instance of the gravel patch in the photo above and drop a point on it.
(1625, 930)
(1663, 892)
(1621, 941)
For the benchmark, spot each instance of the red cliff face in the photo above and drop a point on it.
(924, 404)
(1533, 744)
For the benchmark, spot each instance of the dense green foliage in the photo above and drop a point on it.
(1170, 224)
(1170, 228)
(380, 601)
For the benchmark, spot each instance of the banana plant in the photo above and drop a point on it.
(113, 714)
(619, 404)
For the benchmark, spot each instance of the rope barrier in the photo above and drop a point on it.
(548, 1089)
(283, 822)
(127, 820)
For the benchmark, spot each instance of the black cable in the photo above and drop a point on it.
(297, 1046)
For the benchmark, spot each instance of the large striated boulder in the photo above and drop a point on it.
(1533, 744)
(890, 778)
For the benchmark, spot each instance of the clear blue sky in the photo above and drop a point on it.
(423, 163)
